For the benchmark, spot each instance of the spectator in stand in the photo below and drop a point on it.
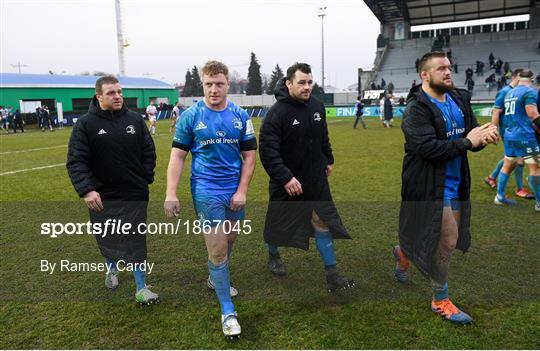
(500, 83)
(401, 101)
(538, 81)
(479, 68)
(490, 81)
(491, 61)
(507, 68)
(455, 65)
(468, 74)
(413, 83)
(383, 83)
(449, 55)
(416, 63)
(373, 86)
(447, 41)
(390, 87)
(470, 86)
(499, 66)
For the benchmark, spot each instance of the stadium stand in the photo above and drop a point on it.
(516, 47)
(398, 47)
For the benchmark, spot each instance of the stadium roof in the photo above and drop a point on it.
(418, 12)
(18, 80)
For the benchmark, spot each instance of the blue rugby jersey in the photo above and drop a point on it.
(518, 126)
(215, 139)
(499, 103)
(454, 121)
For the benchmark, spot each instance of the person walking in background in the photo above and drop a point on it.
(359, 113)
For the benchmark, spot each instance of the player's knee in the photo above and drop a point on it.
(318, 223)
(218, 257)
(448, 244)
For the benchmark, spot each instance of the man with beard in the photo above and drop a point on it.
(111, 161)
(296, 153)
(439, 128)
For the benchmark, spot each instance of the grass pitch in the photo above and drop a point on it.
(496, 281)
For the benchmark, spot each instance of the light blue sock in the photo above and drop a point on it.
(440, 291)
(501, 185)
(111, 264)
(140, 279)
(518, 174)
(273, 250)
(325, 245)
(534, 184)
(497, 169)
(220, 276)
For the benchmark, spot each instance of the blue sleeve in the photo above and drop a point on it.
(248, 140)
(248, 132)
(530, 98)
(499, 99)
(183, 137)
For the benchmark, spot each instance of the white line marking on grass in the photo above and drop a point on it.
(32, 169)
(28, 150)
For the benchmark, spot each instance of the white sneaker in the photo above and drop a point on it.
(111, 280)
(230, 326)
(210, 284)
(145, 296)
(536, 208)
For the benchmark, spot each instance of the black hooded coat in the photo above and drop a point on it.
(427, 149)
(293, 142)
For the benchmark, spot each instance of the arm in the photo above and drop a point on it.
(78, 160)
(78, 167)
(174, 172)
(269, 150)
(148, 153)
(532, 112)
(491, 132)
(238, 200)
(180, 148)
(495, 116)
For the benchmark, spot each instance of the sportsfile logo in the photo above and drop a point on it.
(120, 227)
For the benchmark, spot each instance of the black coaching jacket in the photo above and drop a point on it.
(111, 153)
(294, 140)
(427, 149)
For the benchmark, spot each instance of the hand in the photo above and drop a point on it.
(329, 169)
(171, 206)
(492, 136)
(93, 201)
(476, 135)
(238, 201)
(293, 187)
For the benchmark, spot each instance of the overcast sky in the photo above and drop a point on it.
(167, 37)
